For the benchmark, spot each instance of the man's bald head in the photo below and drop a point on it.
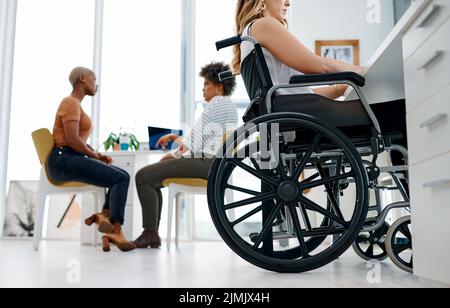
(77, 73)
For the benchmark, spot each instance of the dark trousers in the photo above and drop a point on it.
(149, 179)
(66, 165)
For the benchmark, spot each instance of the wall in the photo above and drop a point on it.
(344, 19)
(2, 33)
(2, 42)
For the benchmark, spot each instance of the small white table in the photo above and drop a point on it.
(131, 162)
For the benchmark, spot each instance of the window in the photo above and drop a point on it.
(48, 46)
(219, 16)
(141, 66)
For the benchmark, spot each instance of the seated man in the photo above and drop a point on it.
(195, 155)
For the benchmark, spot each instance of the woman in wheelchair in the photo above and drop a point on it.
(286, 56)
(73, 160)
(280, 220)
(195, 155)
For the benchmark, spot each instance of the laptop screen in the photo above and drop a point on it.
(155, 133)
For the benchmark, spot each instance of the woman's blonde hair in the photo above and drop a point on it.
(247, 11)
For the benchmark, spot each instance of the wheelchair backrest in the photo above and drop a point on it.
(258, 82)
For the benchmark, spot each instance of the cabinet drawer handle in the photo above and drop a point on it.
(431, 60)
(434, 9)
(438, 183)
(433, 120)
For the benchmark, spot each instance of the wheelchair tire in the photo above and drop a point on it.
(399, 247)
(367, 242)
(282, 261)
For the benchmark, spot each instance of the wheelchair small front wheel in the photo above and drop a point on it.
(399, 244)
(371, 245)
(279, 220)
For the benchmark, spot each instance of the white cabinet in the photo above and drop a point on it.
(430, 193)
(131, 162)
(426, 49)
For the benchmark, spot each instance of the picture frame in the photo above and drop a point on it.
(343, 50)
(20, 211)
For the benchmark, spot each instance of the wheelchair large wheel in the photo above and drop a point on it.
(399, 244)
(314, 232)
(372, 245)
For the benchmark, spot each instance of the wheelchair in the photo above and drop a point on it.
(304, 168)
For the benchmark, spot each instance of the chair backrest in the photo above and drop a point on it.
(44, 144)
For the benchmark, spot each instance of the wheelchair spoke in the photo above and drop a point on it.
(247, 216)
(370, 250)
(299, 169)
(298, 232)
(260, 198)
(383, 247)
(305, 216)
(243, 190)
(406, 232)
(254, 172)
(268, 225)
(311, 178)
(332, 179)
(362, 239)
(331, 195)
(398, 249)
(255, 164)
(317, 208)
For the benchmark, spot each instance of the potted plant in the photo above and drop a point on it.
(123, 141)
(112, 142)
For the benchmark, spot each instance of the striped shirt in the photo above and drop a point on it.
(219, 117)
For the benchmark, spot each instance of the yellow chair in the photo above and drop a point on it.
(43, 142)
(184, 186)
(177, 189)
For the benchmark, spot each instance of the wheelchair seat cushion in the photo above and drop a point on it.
(336, 113)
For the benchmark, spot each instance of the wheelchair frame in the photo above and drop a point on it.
(377, 144)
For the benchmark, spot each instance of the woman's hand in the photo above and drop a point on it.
(168, 157)
(361, 70)
(165, 140)
(104, 158)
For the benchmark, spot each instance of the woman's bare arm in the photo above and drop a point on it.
(332, 92)
(277, 39)
(74, 141)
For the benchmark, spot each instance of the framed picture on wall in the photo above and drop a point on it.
(342, 50)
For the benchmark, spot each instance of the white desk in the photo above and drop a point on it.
(385, 81)
(131, 162)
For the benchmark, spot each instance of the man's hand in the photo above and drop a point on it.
(165, 140)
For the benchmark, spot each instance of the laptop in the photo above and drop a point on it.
(155, 133)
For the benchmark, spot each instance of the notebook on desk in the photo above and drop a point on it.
(155, 133)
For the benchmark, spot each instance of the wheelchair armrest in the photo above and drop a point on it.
(346, 76)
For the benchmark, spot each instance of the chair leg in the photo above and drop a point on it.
(96, 207)
(39, 223)
(171, 204)
(177, 219)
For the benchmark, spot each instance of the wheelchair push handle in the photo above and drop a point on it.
(228, 42)
(226, 75)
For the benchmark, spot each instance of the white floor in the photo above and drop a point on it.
(194, 265)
